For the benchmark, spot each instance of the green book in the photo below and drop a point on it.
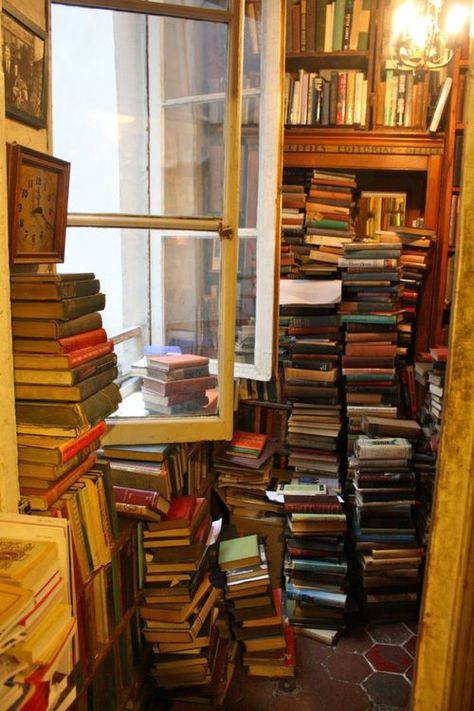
(338, 28)
(368, 318)
(320, 24)
(237, 552)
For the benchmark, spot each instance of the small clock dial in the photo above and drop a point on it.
(36, 209)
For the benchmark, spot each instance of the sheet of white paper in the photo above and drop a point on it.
(310, 291)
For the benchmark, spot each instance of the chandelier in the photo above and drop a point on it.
(418, 41)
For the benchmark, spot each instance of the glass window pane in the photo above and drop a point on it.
(144, 83)
(173, 307)
(208, 4)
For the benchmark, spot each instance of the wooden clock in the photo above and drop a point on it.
(38, 187)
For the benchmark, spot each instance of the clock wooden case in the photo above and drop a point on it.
(38, 187)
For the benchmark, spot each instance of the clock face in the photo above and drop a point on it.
(36, 209)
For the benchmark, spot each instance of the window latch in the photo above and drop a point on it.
(225, 232)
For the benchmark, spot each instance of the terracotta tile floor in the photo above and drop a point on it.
(370, 668)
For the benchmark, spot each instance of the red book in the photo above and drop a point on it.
(185, 513)
(42, 499)
(141, 497)
(176, 360)
(186, 386)
(247, 444)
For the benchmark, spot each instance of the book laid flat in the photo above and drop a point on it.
(66, 376)
(87, 412)
(186, 386)
(61, 361)
(68, 344)
(57, 450)
(24, 563)
(62, 310)
(140, 452)
(53, 328)
(15, 602)
(238, 552)
(247, 444)
(39, 289)
(176, 361)
(66, 393)
(41, 499)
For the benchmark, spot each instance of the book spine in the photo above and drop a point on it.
(88, 353)
(41, 500)
(74, 446)
(138, 497)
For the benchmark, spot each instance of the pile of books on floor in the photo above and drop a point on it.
(329, 220)
(243, 469)
(180, 609)
(64, 368)
(255, 609)
(178, 384)
(37, 625)
(315, 563)
(293, 252)
(388, 556)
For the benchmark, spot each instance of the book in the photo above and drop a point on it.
(39, 287)
(184, 514)
(57, 450)
(27, 564)
(61, 361)
(28, 327)
(150, 499)
(186, 387)
(63, 310)
(68, 344)
(41, 499)
(237, 552)
(176, 361)
(140, 452)
(67, 393)
(87, 412)
(247, 444)
(66, 376)
(440, 105)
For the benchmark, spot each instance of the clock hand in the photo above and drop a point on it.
(39, 211)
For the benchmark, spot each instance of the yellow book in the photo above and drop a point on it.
(40, 646)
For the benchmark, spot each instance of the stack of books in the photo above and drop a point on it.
(370, 311)
(244, 472)
(388, 554)
(315, 564)
(180, 605)
(154, 467)
(256, 614)
(177, 384)
(293, 250)
(64, 371)
(37, 625)
(329, 219)
(417, 246)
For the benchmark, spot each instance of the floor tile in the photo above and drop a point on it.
(396, 633)
(389, 658)
(347, 666)
(410, 646)
(388, 689)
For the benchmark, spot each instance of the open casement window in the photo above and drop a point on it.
(148, 108)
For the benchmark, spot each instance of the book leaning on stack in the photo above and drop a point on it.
(64, 371)
(37, 622)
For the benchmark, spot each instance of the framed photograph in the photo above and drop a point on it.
(24, 68)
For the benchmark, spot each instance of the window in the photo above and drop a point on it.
(142, 108)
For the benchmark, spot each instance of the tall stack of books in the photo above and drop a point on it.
(177, 384)
(329, 220)
(293, 252)
(255, 610)
(370, 311)
(431, 375)
(180, 606)
(388, 556)
(37, 624)
(64, 380)
(417, 244)
(244, 472)
(315, 564)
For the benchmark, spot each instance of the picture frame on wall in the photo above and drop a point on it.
(24, 68)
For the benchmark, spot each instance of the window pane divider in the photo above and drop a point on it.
(145, 222)
(188, 12)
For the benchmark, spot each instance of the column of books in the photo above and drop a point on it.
(430, 374)
(64, 387)
(388, 558)
(181, 613)
(255, 608)
(315, 565)
(293, 251)
(37, 621)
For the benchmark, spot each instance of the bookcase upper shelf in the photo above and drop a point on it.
(308, 60)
